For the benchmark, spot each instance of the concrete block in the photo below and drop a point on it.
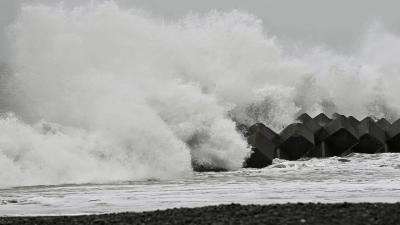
(322, 119)
(315, 125)
(372, 139)
(393, 136)
(309, 123)
(353, 122)
(264, 142)
(383, 124)
(340, 136)
(297, 141)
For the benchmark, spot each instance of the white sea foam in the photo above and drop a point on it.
(357, 178)
(102, 93)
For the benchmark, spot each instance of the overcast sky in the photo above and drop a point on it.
(336, 23)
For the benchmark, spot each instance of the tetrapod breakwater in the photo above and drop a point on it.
(321, 136)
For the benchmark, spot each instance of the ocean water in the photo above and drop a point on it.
(105, 108)
(100, 93)
(357, 178)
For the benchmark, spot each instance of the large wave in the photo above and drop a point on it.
(99, 93)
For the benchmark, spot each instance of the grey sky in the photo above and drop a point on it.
(336, 23)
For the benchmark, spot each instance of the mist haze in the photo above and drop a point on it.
(338, 24)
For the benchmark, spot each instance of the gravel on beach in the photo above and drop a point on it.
(300, 213)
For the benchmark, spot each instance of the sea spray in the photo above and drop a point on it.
(100, 93)
(110, 80)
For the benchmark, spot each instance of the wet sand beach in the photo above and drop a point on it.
(310, 213)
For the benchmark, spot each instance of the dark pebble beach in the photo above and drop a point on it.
(309, 213)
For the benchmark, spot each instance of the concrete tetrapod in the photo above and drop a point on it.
(383, 124)
(322, 119)
(315, 125)
(319, 150)
(304, 117)
(393, 135)
(297, 141)
(264, 143)
(340, 137)
(372, 139)
(354, 122)
(309, 123)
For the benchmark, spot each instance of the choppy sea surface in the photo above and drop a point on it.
(356, 178)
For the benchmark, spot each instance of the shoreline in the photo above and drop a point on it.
(298, 213)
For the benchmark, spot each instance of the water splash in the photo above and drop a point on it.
(131, 96)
